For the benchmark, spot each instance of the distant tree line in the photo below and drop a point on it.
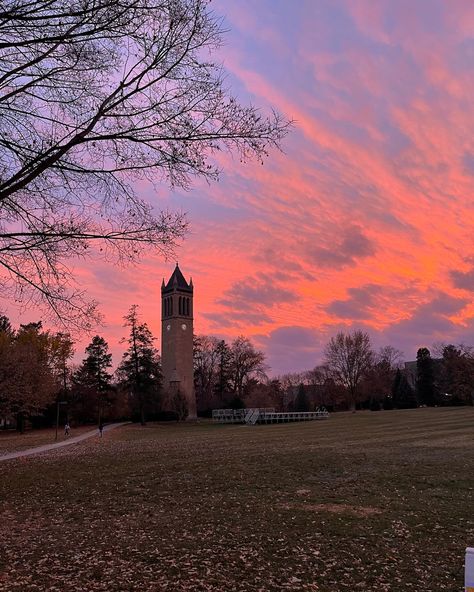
(354, 375)
(36, 375)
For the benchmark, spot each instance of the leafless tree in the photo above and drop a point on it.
(378, 378)
(327, 392)
(206, 365)
(349, 357)
(247, 363)
(95, 95)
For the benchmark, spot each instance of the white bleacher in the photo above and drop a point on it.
(265, 415)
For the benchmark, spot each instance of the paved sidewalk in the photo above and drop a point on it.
(68, 442)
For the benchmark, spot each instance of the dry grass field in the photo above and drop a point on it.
(12, 441)
(372, 502)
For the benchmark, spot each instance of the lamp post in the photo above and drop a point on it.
(57, 416)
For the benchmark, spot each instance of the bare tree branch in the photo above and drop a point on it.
(95, 95)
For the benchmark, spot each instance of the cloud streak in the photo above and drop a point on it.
(366, 219)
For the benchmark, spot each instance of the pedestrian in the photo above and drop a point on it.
(67, 429)
(101, 428)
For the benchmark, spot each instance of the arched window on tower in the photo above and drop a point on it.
(187, 307)
(180, 306)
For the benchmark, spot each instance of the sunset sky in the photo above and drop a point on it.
(365, 220)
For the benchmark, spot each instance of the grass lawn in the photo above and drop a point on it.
(372, 502)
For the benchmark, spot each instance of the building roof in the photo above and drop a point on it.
(177, 282)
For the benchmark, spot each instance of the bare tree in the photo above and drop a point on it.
(378, 378)
(94, 95)
(349, 357)
(325, 390)
(206, 365)
(247, 363)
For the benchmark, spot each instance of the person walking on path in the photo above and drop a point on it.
(101, 428)
(67, 429)
(66, 442)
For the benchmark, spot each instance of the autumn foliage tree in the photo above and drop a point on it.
(27, 381)
(95, 95)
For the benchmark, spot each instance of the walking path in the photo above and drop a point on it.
(74, 440)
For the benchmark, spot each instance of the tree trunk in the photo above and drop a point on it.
(142, 410)
(20, 422)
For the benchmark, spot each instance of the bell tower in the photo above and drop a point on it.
(177, 338)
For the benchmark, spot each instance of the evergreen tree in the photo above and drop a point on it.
(301, 403)
(5, 325)
(93, 374)
(224, 365)
(456, 374)
(237, 403)
(180, 405)
(425, 388)
(140, 369)
(403, 396)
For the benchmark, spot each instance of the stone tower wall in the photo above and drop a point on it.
(177, 347)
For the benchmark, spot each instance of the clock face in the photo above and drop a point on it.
(168, 327)
(183, 326)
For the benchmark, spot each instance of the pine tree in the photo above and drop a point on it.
(140, 369)
(5, 325)
(403, 396)
(425, 388)
(93, 373)
(222, 385)
(301, 403)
